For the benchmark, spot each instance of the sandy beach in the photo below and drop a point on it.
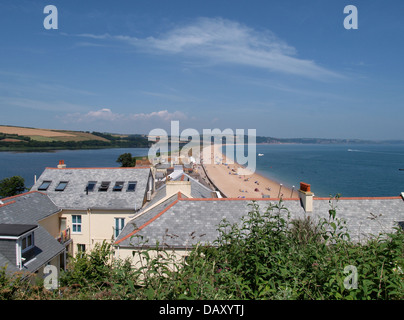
(225, 177)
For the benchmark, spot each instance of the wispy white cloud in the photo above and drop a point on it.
(223, 41)
(107, 115)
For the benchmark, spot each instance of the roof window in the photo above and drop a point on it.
(118, 186)
(61, 186)
(131, 186)
(91, 185)
(44, 186)
(104, 186)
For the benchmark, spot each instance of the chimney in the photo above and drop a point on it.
(61, 164)
(306, 197)
(173, 187)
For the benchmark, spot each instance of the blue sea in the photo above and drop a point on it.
(351, 170)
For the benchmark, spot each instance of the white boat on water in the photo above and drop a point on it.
(260, 154)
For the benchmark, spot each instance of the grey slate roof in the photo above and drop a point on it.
(75, 197)
(28, 209)
(190, 221)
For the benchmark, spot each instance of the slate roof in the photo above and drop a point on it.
(23, 212)
(74, 196)
(179, 222)
(14, 229)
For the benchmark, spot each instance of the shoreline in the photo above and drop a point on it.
(225, 178)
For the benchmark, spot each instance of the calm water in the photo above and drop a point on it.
(352, 170)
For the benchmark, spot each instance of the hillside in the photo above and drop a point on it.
(20, 133)
(13, 138)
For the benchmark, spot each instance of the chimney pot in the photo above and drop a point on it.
(61, 164)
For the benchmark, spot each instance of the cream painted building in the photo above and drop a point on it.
(95, 203)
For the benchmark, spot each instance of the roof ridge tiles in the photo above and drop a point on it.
(22, 194)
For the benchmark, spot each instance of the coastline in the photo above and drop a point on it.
(233, 185)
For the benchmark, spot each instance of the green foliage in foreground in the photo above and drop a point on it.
(266, 256)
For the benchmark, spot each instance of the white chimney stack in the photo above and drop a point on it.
(306, 197)
(61, 164)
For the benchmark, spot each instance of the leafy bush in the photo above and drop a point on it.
(267, 255)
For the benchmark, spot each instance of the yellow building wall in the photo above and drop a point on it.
(52, 224)
(96, 226)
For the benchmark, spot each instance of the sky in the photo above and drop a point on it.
(288, 69)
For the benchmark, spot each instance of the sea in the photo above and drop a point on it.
(357, 170)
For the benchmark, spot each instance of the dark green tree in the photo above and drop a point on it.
(126, 160)
(12, 186)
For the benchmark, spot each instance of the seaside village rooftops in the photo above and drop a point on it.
(73, 209)
(179, 221)
(96, 188)
(25, 245)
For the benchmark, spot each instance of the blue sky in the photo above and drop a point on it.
(285, 68)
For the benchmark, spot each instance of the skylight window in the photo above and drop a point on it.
(45, 185)
(61, 186)
(118, 186)
(91, 185)
(104, 186)
(131, 186)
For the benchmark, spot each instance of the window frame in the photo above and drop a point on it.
(24, 242)
(75, 224)
(59, 189)
(93, 183)
(118, 187)
(129, 189)
(41, 188)
(118, 226)
(104, 186)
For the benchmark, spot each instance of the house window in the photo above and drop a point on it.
(76, 223)
(131, 186)
(44, 186)
(61, 186)
(81, 248)
(119, 224)
(27, 242)
(118, 186)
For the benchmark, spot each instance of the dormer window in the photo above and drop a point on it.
(61, 186)
(44, 186)
(27, 242)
